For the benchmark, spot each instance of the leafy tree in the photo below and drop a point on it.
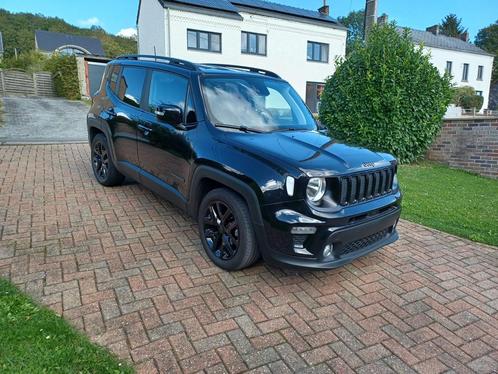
(451, 25)
(354, 21)
(18, 30)
(386, 95)
(487, 39)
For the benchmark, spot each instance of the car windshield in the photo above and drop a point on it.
(257, 103)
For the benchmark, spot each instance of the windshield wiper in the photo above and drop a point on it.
(238, 127)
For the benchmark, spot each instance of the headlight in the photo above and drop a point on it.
(395, 182)
(316, 189)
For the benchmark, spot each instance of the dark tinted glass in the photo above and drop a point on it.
(113, 78)
(131, 85)
(167, 89)
(191, 117)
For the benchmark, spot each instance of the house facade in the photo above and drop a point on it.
(300, 45)
(468, 64)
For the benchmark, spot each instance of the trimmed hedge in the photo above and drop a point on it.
(386, 96)
(471, 102)
(65, 75)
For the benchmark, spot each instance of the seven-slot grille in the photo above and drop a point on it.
(366, 186)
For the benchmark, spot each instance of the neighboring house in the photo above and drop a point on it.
(468, 64)
(300, 45)
(49, 42)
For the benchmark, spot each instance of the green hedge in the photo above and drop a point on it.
(65, 75)
(471, 102)
(386, 96)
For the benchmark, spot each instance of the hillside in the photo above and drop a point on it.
(18, 31)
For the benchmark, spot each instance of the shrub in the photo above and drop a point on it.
(65, 75)
(460, 92)
(29, 61)
(386, 96)
(471, 102)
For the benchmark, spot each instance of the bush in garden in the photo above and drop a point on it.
(386, 96)
(65, 75)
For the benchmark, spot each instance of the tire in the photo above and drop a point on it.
(102, 164)
(221, 230)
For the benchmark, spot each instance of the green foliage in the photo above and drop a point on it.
(459, 92)
(65, 76)
(30, 61)
(487, 39)
(354, 21)
(451, 25)
(472, 102)
(430, 192)
(18, 30)
(386, 96)
(34, 340)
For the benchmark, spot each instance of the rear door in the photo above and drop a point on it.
(125, 114)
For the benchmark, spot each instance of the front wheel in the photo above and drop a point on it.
(226, 230)
(102, 164)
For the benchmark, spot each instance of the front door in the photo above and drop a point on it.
(314, 91)
(163, 148)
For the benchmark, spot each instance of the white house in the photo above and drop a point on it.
(298, 44)
(468, 64)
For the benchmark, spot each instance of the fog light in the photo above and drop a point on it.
(303, 230)
(327, 251)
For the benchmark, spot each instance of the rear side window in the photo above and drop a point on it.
(131, 85)
(167, 89)
(113, 77)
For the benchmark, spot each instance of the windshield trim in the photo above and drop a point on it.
(212, 120)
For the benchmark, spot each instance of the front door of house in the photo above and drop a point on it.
(313, 93)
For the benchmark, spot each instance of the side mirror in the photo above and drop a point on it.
(171, 114)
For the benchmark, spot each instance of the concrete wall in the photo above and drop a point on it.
(439, 57)
(286, 41)
(470, 144)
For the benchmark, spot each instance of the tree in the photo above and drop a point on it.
(487, 39)
(451, 25)
(386, 95)
(354, 21)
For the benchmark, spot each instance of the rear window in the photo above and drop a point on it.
(113, 77)
(131, 85)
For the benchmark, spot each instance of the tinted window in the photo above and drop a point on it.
(131, 85)
(191, 117)
(167, 89)
(113, 78)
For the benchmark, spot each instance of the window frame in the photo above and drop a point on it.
(247, 52)
(312, 59)
(465, 72)
(449, 67)
(480, 93)
(480, 72)
(197, 41)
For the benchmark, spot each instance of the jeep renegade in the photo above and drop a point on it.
(237, 149)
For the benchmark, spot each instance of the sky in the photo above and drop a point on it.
(119, 15)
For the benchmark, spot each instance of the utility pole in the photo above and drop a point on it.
(370, 16)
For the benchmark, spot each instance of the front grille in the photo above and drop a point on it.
(365, 186)
(361, 243)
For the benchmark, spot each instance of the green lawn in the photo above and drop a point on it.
(34, 340)
(451, 200)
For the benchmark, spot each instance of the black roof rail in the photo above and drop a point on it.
(246, 68)
(169, 60)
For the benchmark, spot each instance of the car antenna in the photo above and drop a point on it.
(155, 54)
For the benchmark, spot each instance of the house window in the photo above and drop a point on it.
(204, 41)
(253, 44)
(480, 71)
(318, 52)
(479, 93)
(449, 66)
(465, 74)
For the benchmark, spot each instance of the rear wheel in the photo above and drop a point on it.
(102, 164)
(226, 230)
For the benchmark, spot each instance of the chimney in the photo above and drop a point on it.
(434, 29)
(325, 9)
(383, 19)
(370, 15)
(464, 36)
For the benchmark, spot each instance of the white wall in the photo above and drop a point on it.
(286, 43)
(151, 28)
(440, 56)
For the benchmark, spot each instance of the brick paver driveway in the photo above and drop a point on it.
(127, 268)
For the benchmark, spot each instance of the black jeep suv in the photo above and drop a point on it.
(237, 149)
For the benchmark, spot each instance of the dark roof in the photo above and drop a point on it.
(49, 41)
(231, 6)
(429, 39)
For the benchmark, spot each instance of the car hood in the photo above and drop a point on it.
(311, 152)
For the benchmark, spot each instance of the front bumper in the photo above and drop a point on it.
(349, 240)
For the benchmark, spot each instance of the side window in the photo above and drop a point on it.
(113, 78)
(131, 85)
(167, 89)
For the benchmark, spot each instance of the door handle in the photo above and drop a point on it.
(146, 130)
